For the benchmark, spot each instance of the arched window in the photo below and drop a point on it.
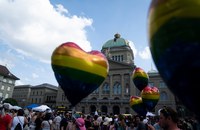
(127, 110)
(117, 88)
(106, 88)
(104, 110)
(92, 109)
(116, 110)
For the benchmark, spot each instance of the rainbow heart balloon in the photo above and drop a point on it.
(140, 78)
(138, 106)
(150, 97)
(78, 72)
(174, 28)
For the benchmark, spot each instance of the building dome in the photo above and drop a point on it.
(116, 42)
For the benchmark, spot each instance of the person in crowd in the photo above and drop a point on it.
(156, 125)
(71, 125)
(168, 119)
(88, 122)
(20, 118)
(121, 123)
(140, 125)
(64, 121)
(47, 122)
(38, 120)
(32, 124)
(56, 121)
(95, 123)
(80, 123)
(5, 118)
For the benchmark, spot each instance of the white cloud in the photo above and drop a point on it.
(132, 45)
(34, 75)
(35, 28)
(61, 9)
(19, 82)
(145, 54)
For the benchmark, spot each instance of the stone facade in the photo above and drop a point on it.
(7, 83)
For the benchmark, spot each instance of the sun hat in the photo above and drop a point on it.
(80, 123)
(107, 120)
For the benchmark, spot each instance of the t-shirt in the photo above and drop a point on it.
(64, 122)
(4, 121)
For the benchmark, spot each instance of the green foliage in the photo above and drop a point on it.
(11, 101)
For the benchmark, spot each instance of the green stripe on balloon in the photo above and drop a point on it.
(78, 74)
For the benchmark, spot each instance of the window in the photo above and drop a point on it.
(151, 83)
(6, 96)
(162, 84)
(127, 89)
(4, 80)
(118, 58)
(8, 88)
(10, 81)
(117, 88)
(106, 88)
(122, 58)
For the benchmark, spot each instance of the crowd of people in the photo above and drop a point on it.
(51, 120)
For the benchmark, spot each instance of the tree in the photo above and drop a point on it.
(12, 101)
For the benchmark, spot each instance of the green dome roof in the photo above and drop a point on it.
(116, 42)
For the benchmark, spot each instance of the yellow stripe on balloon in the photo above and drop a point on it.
(146, 96)
(80, 64)
(77, 53)
(172, 9)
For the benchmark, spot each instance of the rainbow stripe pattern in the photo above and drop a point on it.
(150, 97)
(78, 72)
(140, 78)
(137, 105)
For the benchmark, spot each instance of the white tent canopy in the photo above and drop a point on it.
(11, 107)
(41, 108)
(150, 114)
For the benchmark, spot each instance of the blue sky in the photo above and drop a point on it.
(31, 29)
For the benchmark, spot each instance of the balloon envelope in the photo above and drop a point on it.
(137, 105)
(78, 72)
(150, 97)
(140, 78)
(174, 28)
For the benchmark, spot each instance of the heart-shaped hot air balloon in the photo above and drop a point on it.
(138, 106)
(150, 97)
(174, 28)
(78, 72)
(140, 78)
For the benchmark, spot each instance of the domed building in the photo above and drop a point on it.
(113, 95)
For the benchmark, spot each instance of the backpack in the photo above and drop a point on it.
(18, 127)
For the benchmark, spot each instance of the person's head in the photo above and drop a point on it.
(138, 118)
(20, 112)
(168, 117)
(80, 123)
